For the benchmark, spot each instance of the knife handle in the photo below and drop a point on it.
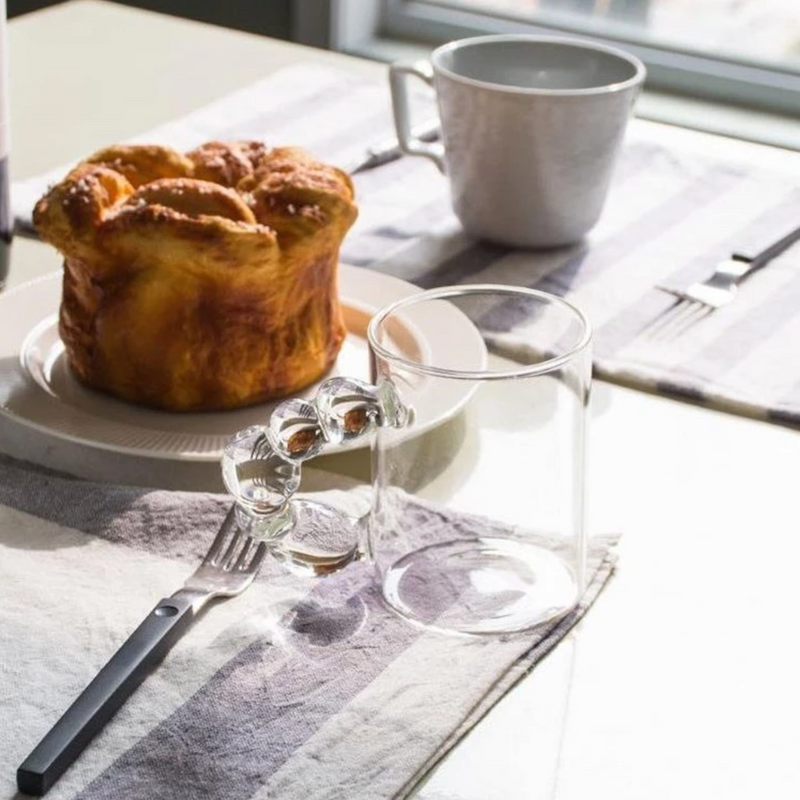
(390, 149)
(103, 697)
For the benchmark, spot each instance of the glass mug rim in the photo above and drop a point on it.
(637, 78)
(540, 368)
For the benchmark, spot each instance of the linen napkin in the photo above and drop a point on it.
(680, 202)
(297, 689)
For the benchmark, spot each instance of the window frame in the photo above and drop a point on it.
(358, 27)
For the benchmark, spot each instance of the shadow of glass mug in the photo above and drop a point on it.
(476, 519)
(531, 128)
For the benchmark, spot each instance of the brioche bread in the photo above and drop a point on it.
(202, 281)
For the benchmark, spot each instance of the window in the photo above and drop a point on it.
(766, 32)
(741, 51)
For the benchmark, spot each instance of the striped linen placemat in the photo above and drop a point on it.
(299, 689)
(680, 202)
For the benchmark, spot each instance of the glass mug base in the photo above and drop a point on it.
(486, 585)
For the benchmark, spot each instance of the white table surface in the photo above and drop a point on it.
(683, 680)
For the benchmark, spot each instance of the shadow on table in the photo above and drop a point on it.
(171, 524)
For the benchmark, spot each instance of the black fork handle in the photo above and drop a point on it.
(103, 697)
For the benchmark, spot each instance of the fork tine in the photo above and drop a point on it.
(664, 318)
(240, 561)
(698, 311)
(232, 550)
(678, 321)
(255, 562)
(222, 535)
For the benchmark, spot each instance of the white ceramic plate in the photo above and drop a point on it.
(38, 389)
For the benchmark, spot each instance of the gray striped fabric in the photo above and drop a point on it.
(680, 202)
(298, 689)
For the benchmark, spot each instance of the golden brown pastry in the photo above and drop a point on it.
(199, 282)
(142, 163)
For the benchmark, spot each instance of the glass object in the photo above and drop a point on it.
(477, 519)
(261, 468)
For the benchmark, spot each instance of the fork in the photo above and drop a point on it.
(227, 570)
(719, 289)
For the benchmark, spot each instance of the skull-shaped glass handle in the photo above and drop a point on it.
(261, 468)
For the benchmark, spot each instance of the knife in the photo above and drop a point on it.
(389, 150)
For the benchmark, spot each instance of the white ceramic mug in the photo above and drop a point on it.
(531, 127)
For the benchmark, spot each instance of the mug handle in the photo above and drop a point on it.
(410, 144)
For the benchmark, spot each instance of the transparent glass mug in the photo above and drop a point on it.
(477, 422)
(477, 519)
